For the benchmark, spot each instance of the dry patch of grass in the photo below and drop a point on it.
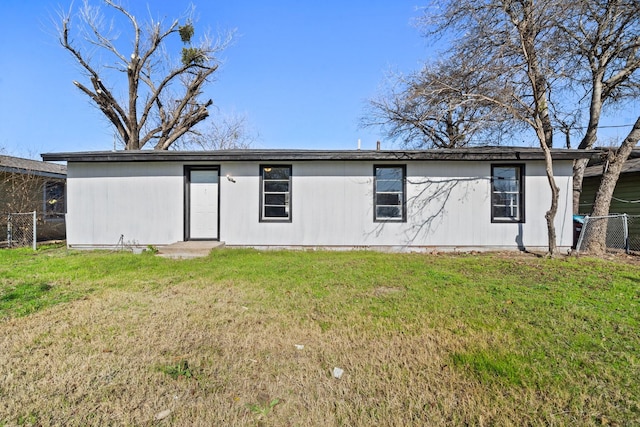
(117, 359)
(250, 338)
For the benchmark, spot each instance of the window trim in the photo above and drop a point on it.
(521, 193)
(47, 215)
(262, 217)
(403, 168)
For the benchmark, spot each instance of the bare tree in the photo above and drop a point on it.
(599, 44)
(162, 101)
(22, 192)
(506, 41)
(430, 109)
(595, 241)
(224, 132)
(603, 39)
(544, 63)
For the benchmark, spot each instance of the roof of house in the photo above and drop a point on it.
(631, 165)
(33, 167)
(472, 153)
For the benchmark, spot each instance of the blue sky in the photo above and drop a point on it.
(300, 72)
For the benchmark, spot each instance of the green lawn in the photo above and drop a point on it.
(94, 338)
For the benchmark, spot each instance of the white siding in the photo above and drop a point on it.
(448, 206)
(141, 201)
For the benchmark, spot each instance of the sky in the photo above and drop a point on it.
(300, 72)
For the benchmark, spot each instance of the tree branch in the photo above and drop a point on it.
(145, 78)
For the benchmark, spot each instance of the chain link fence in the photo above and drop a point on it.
(622, 231)
(21, 230)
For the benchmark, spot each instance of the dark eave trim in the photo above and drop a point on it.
(494, 154)
(22, 171)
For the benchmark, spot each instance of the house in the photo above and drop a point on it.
(625, 200)
(29, 185)
(626, 196)
(459, 199)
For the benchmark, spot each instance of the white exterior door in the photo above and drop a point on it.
(203, 204)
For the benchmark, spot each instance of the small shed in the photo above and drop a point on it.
(485, 198)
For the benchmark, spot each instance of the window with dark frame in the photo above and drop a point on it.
(54, 206)
(507, 199)
(389, 193)
(275, 193)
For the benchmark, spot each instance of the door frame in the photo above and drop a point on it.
(187, 199)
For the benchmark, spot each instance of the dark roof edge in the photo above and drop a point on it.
(494, 153)
(33, 172)
(31, 167)
(630, 166)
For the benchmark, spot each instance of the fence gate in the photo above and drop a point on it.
(21, 230)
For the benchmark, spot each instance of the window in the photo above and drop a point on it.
(275, 193)
(54, 206)
(389, 197)
(507, 193)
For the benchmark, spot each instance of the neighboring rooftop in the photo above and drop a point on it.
(472, 153)
(34, 167)
(630, 166)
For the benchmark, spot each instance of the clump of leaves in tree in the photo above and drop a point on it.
(192, 55)
(186, 32)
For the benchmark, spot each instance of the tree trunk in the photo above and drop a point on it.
(542, 125)
(522, 18)
(579, 167)
(544, 130)
(589, 138)
(550, 215)
(595, 241)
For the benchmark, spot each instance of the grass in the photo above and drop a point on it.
(94, 338)
(178, 370)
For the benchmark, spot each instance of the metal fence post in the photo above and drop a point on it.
(582, 233)
(34, 229)
(625, 229)
(9, 230)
